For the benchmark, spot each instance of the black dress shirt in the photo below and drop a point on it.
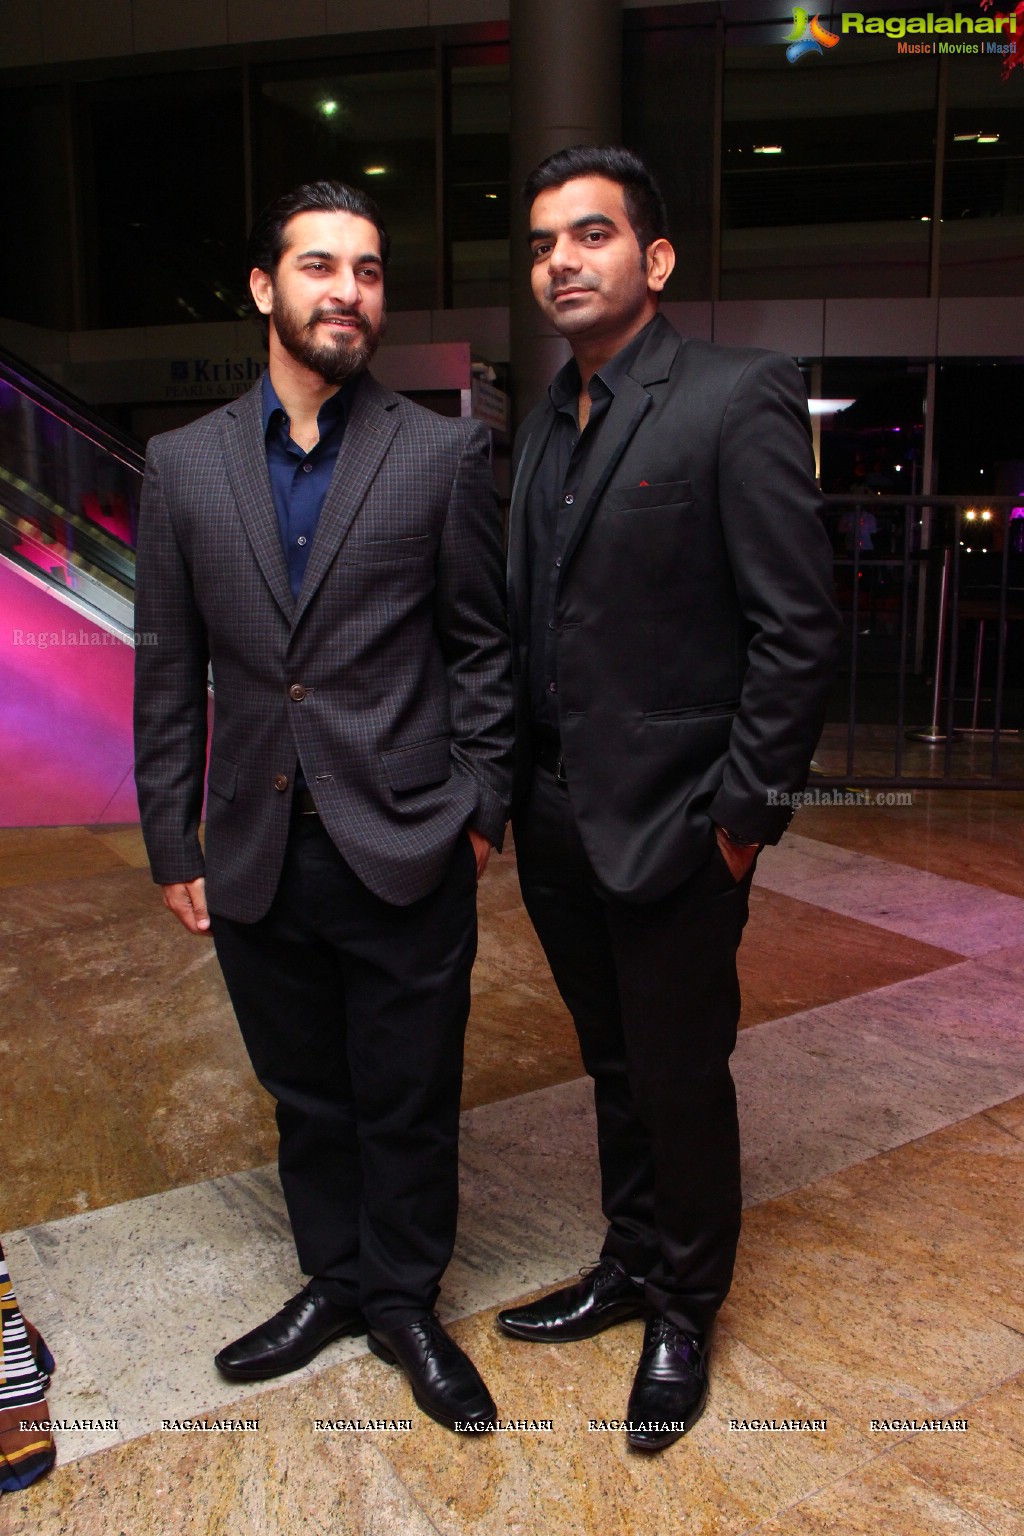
(550, 509)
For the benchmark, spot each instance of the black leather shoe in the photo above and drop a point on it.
(670, 1388)
(604, 1296)
(290, 1338)
(444, 1380)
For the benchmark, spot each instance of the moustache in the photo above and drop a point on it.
(338, 314)
(554, 289)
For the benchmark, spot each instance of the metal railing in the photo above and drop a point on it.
(931, 589)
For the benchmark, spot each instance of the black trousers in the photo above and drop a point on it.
(653, 992)
(354, 1015)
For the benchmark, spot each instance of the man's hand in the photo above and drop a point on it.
(481, 850)
(738, 856)
(188, 903)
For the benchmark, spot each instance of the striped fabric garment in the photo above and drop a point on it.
(25, 1366)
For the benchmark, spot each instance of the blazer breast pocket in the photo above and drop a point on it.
(638, 498)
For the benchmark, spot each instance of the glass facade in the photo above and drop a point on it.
(162, 195)
(982, 249)
(828, 173)
(477, 176)
(869, 172)
(372, 122)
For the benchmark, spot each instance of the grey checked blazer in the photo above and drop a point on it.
(388, 678)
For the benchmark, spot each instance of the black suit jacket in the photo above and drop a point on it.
(696, 630)
(388, 678)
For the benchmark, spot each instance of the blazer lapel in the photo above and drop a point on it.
(518, 564)
(628, 409)
(245, 454)
(369, 431)
(631, 403)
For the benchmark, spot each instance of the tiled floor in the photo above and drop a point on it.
(881, 1079)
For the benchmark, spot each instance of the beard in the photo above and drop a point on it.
(334, 361)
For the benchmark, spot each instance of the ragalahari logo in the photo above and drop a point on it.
(808, 35)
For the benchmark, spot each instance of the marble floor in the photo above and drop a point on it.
(881, 1078)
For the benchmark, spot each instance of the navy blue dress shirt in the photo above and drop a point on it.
(299, 480)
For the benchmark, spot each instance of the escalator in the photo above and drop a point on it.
(69, 498)
(69, 494)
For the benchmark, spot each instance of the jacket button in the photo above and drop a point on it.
(281, 781)
(297, 692)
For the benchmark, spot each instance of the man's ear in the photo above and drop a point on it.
(261, 286)
(661, 259)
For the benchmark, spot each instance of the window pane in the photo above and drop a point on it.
(477, 175)
(982, 249)
(165, 161)
(370, 123)
(36, 264)
(827, 170)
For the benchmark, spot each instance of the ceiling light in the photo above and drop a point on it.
(375, 170)
(767, 149)
(327, 108)
(988, 138)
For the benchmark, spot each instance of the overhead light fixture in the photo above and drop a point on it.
(988, 138)
(964, 138)
(375, 170)
(767, 149)
(492, 197)
(327, 108)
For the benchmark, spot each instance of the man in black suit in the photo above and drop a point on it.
(674, 636)
(335, 551)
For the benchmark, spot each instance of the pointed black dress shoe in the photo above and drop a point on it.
(670, 1388)
(444, 1380)
(290, 1338)
(604, 1296)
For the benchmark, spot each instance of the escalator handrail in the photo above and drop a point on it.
(70, 410)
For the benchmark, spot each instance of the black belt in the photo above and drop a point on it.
(303, 804)
(547, 754)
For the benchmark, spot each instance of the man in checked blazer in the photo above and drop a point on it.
(335, 551)
(674, 636)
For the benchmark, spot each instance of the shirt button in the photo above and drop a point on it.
(551, 623)
(558, 561)
(569, 498)
(297, 692)
(552, 687)
(307, 468)
(301, 541)
(280, 782)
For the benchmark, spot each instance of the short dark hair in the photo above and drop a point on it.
(267, 237)
(641, 195)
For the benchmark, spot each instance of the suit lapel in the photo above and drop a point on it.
(628, 409)
(371, 426)
(631, 403)
(518, 563)
(245, 454)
